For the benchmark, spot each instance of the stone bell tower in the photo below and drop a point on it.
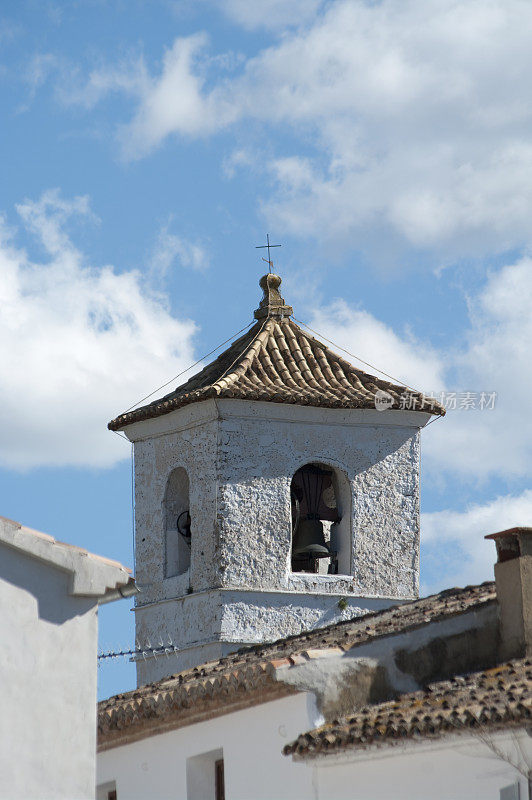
(271, 496)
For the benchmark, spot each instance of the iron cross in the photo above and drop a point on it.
(268, 245)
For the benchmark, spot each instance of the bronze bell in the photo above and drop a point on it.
(309, 539)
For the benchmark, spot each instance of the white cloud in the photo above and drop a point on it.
(35, 75)
(238, 159)
(404, 357)
(174, 102)
(415, 118)
(470, 444)
(496, 358)
(421, 119)
(454, 544)
(273, 14)
(128, 77)
(170, 248)
(46, 218)
(80, 344)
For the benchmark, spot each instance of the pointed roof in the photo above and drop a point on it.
(276, 361)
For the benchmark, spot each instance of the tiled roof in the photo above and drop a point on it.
(495, 698)
(276, 361)
(249, 675)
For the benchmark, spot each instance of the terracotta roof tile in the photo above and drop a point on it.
(497, 697)
(276, 361)
(250, 673)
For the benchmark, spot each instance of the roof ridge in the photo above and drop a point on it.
(228, 377)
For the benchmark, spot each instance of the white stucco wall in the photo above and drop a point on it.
(240, 458)
(252, 740)
(453, 768)
(261, 447)
(48, 678)
(209, 625)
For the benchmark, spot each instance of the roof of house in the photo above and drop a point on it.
(480, 701)
(276, 361)
(248, 676)
(92, 575)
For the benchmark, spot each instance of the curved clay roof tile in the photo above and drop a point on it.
(276, 361)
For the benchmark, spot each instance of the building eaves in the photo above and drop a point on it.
(480, 702)
(92, 575)
(248, 677)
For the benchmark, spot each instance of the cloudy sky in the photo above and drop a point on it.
(147, 148)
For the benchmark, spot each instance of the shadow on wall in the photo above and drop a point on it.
(177, 523)
(48, 585)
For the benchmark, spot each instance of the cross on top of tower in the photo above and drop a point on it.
(268, 245)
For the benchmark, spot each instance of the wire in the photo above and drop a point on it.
(247, 346)
(434, 419)
(366, 363)
(137, 651)
(122, 436)
(133, 509)
(179, 374)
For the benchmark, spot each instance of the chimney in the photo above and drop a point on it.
(513, 579)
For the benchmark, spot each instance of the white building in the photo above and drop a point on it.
(457, 739)
(49, 595)
(277, 508)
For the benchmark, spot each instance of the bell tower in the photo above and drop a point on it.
(271, 495)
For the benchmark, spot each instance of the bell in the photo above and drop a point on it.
(183, 525)
(309, 539)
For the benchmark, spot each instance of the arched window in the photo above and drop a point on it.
(320, 533)
(177, 523)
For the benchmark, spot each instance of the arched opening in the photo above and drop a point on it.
(320, 520)
(177, 523)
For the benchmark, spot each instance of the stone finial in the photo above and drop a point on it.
(272, 304)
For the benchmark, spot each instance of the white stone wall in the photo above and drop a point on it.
(192, 444)
(261, 447)
(240, 458)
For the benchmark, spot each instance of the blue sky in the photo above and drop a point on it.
(146, 150)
